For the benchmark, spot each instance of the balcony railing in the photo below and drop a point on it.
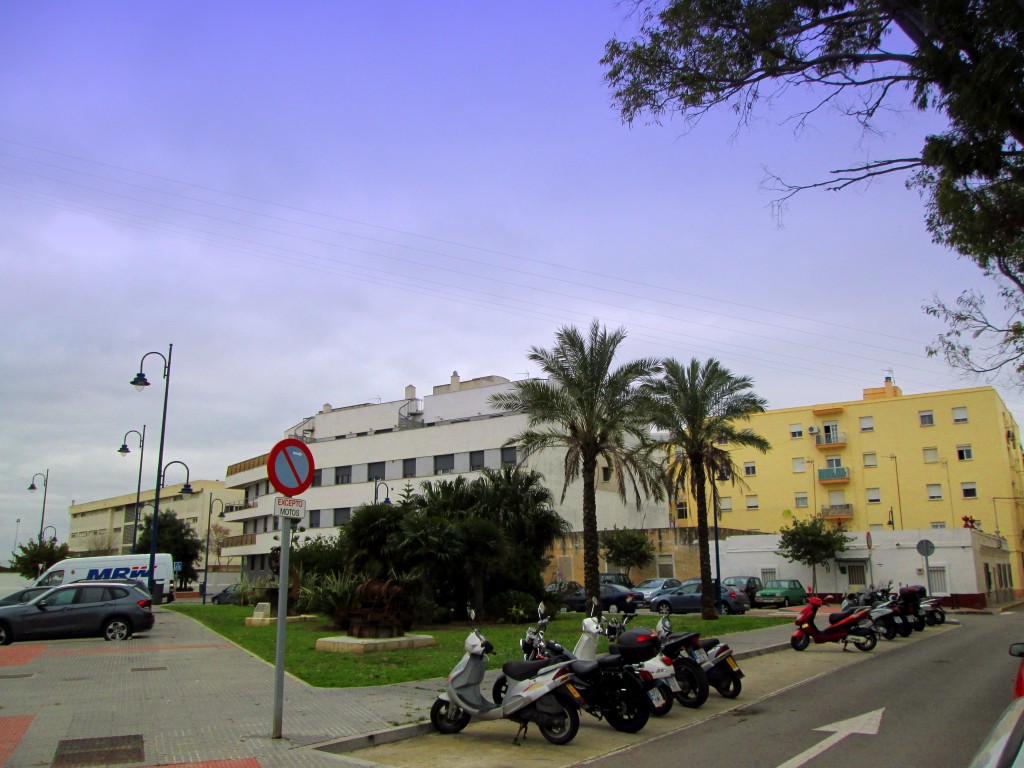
(837, 510)
(244, 540)
(834, 475)
(830, 439)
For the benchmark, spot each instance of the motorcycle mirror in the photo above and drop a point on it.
(540, 610)
(471, 613)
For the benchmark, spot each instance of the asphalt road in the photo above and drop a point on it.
(938, 700)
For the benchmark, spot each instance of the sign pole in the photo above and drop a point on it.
(282, 622)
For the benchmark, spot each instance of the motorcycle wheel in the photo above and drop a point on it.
(731, 685)
(499, 688)
(905, 629)
(887, 629)
(918, 623)
(631, 709)
(940, 616)
(930, 620)
(567, 731)
(667, 697)
(865, 642)
(800, 643)
(447, 717)
(693, 683)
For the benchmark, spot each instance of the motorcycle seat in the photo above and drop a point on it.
(835, 618)
(524, 670)
(708, 643)
(583, 668)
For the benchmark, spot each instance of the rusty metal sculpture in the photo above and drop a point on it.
(378, 610)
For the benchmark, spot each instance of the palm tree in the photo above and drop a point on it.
(593, 411)
(699, 406)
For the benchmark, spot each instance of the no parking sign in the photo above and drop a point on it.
(290, 466)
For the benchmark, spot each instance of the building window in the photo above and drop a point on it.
(318, 478)
(931, 455)
(725, 503)
(867, 423)
(834, 462)
(752, 501)
(871, 459)
(796, 430)
(874, 495)
(444, 464)
(749, 468)
(508, 456)
(408, 467)
(682, 511)
(926, 418)
(343, 475)
(969, 490)
(342, 515)
(606, 474)
(934, 491)
(314, 518)
(375, 471)
(960, 415)
(799, 464)
(476, 460)
(800, 499)
(769, 574)
(964, 453)
(938, 525)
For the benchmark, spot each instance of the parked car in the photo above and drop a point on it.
(687, 599)
(615, 578)
(111, 611)
(614, 597)
(651, 588)
(137, 583)
(230, 595)
(1002, 746)
(751, 585)
(1017, 649)
(22, 595)
(784, 592)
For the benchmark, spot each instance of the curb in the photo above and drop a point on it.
(366, 740)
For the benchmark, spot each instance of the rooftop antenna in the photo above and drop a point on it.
(525, 374)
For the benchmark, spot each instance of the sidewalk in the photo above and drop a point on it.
(183, 696)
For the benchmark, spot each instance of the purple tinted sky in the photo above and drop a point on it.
(324, 202)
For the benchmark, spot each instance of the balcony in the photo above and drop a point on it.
(243, 540)
(834, 475)
(837, 511)
(830, 440)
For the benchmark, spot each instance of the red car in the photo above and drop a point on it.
(1017, 649)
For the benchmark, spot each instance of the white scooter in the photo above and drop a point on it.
(536, 693)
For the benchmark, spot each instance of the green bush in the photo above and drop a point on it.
(514, 606)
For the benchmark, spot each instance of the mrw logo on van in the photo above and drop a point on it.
(135, 572)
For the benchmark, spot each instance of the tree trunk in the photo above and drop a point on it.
(707, 586)
(591, 542)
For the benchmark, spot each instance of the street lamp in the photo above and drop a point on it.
(50, 528)
(140, 383)
(17, 525)
(206, 559)
(387, 491)
(123, 450)
(32, 487)
(995, 514)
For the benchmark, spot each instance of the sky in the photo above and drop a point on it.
(324, 202)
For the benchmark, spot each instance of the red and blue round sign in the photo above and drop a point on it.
(290, 466)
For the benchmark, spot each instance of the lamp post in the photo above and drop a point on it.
(17, 525)
(899, 498)
(995, 513)
(387, 491)
(124, 451)
(32, 487)
(140, 383)
(206, 559)
(50, 528)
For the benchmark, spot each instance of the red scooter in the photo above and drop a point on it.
(852, 625)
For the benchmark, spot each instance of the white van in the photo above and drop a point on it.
(112, 567)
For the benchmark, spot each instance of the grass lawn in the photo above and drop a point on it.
(344, 670)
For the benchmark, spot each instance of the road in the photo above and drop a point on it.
(938, 699)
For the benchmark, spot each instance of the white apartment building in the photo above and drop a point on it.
(373, 450)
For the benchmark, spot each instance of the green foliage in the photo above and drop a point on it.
(320, 554)
(594, 412)
(700, 407)
(35, 556)
(962, 61)
(513, 606)
(331, 594)
(627, 549)
(812, 543)
(176, 537)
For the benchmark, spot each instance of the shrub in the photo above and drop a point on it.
(514, 606)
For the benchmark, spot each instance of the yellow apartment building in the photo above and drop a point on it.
(886, 462)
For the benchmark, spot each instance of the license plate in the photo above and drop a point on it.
(897, 619)
(655, 696)
(700, 655)
(573, 692)
(673, 684)
(732, 662)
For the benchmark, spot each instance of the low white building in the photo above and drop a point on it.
(968, 568)
(372, 451)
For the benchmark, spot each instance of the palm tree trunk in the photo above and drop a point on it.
(591, 543)
(707, 594)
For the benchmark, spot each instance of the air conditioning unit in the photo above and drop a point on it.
(812, 430)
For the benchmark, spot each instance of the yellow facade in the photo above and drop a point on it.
(907, 462)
